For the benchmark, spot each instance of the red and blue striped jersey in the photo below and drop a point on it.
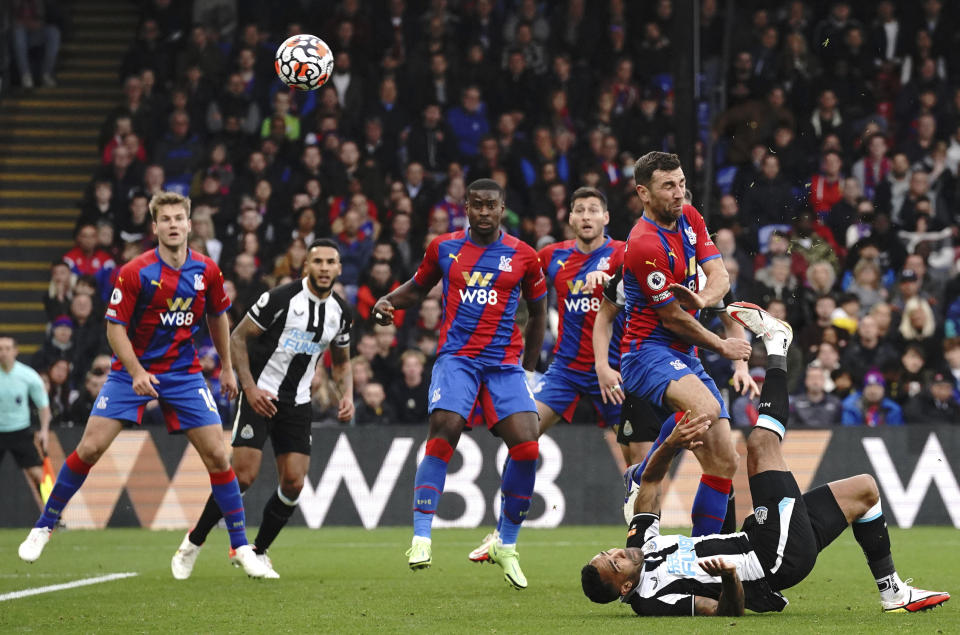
(481, 286)
(567, 267)
(654, 259)
(162, 308)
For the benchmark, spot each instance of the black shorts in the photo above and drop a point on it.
(813, 520)
(20, 444)
(289, 429)
(639, 421)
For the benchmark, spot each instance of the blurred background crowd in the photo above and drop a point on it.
(826, 164)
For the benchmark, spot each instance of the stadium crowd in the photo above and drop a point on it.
(835, 162)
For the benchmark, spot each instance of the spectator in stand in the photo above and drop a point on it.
(937, 405)
(380, 281)
(825, 185)
(873, 168)
(469, 123)
(355, 251)
(776, 282)
(919, 325)
(892, 191)
(871, 407)
(85, 258)
(203, 227)
(56, 301)
(82, 405)
(374, 409)
(248, 285)
(35, 24)
(908, 378)
(58, 344)
(408, 393)
(137, 226)
(57, 380)
(866, 350)
(430, 141)
(951, 356)
(89, 335)
(814, 407)
(867, 285)
(179, 152)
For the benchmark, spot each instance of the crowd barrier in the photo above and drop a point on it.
(364, 477)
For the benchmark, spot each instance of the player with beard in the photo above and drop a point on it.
(290, 327)
(154, 312)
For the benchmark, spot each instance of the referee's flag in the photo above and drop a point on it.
(49, 478)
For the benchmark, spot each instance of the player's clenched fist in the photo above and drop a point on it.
(735, 348)
(383, 312)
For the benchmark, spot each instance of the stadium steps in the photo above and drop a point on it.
(48, 154)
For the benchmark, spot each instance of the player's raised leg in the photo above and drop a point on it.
(98, 434)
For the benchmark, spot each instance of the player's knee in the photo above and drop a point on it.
(870, 491)
(89, 451)
(291, 487)
(217, 461)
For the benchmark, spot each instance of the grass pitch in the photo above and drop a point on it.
(352, 580)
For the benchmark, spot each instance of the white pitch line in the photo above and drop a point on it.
(16, 595)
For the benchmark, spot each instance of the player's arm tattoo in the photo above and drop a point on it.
(120, 344)
(238, 350)
(704, 606)
(341, 371)
(718, 281)
(533, 333)
(731, 600)
(687, 327)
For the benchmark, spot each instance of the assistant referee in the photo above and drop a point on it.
(19, 385)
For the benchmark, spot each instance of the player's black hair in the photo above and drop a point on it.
(595, 587)
(485, 185)
(649, 163)
(588, 192)
(325, 242)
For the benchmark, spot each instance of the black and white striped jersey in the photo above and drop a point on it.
(671, 576)
(298, 327)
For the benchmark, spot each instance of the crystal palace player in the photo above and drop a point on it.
(577, 268)
(723, 574)
(659, 360)
(484, 272)
(291, 327)
(154, 311)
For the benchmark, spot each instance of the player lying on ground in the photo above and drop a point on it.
(154, 312)
(291, 327)
(576, 269)
(484, 271)
(723, 574)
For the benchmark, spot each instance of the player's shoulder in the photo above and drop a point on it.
(521, 248)
(692, 214)
(287, 290)
(547, 252)
(644, 241)
(343, 304)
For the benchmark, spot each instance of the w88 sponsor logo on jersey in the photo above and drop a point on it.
(476, 290)
(178, 313)
(582, 305)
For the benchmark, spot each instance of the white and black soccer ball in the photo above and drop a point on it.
(304, 62)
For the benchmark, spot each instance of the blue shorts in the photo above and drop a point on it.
(561, 389)
(647, 373)
(457, 382)
(185, 400)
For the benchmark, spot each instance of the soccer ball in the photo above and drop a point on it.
(304, 62)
